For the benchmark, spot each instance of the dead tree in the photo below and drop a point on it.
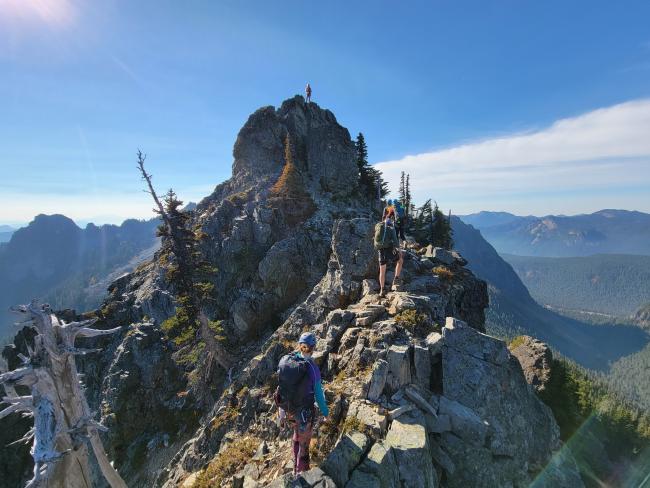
(63, 422)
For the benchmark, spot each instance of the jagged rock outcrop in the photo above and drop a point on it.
(536, 360)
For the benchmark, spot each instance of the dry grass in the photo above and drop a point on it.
(516, 342)
(228, 415)
(227, 463)
(444, 273)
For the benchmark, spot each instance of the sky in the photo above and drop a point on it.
(523, 106)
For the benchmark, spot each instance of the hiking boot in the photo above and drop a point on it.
(397, 282)
(382, 294)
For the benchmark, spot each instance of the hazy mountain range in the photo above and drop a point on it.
(6, 232)
(605, 231)
(56, 261)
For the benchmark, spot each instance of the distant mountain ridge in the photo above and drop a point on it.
(55, 260)
(513, 311)
(6, 232)
(606, 231)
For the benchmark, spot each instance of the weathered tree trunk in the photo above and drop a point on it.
(62, 419)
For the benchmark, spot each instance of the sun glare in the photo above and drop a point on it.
(57, 13)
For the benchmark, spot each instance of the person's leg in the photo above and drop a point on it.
(302, 457)
(296, 448)
(400, 263)
(382, 277)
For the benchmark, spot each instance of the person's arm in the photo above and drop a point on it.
(319, 395)
(320, 398)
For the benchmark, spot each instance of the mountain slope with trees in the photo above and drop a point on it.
(611, 284)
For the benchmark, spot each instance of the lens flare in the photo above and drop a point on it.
(58, 13)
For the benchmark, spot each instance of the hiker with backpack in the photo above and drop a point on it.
(299, 385)
(387, 246)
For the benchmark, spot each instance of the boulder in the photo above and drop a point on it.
(439, 254)
(464, 421)
(482, 382)
(373, 422)
(408, 440)
(315, 478)
(399, 367)
(377, 380)
(369, 286)
(422, 366)
(378, 470)
(345, 456)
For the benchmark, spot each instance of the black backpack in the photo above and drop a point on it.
(291, 394)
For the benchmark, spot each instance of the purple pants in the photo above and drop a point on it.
(301, 439)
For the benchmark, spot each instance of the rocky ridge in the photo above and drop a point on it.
(404, 390)
(413, 403)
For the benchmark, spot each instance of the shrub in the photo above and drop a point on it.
(417, 323)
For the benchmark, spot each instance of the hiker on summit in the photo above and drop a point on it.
(308, 92)
(299, 384)
(387, 245)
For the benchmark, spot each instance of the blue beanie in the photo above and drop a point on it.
(307, 338)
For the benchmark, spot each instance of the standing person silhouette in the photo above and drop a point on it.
(308, 92)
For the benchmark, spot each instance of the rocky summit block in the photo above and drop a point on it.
(513, 434)
(323, 150)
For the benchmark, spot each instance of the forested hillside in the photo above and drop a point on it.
(613, 284)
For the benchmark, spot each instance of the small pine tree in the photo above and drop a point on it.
(402, 190)
(408, 203)
(370, 178)
(441, 229)
(423, 224)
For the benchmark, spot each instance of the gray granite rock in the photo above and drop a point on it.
(408, 440)
(345, 456)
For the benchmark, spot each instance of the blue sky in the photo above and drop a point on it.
(436, 87)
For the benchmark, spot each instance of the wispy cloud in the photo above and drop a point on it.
(596, 155)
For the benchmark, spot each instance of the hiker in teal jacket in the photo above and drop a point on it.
(387, 246)
(303, 417)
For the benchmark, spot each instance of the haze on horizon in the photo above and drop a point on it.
(528, 108)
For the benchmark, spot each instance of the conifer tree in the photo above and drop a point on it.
(290, 184)
(402, 190)
(422, 227)
(370, 178)
(187, 271)
(408, 204)
(441, 233)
